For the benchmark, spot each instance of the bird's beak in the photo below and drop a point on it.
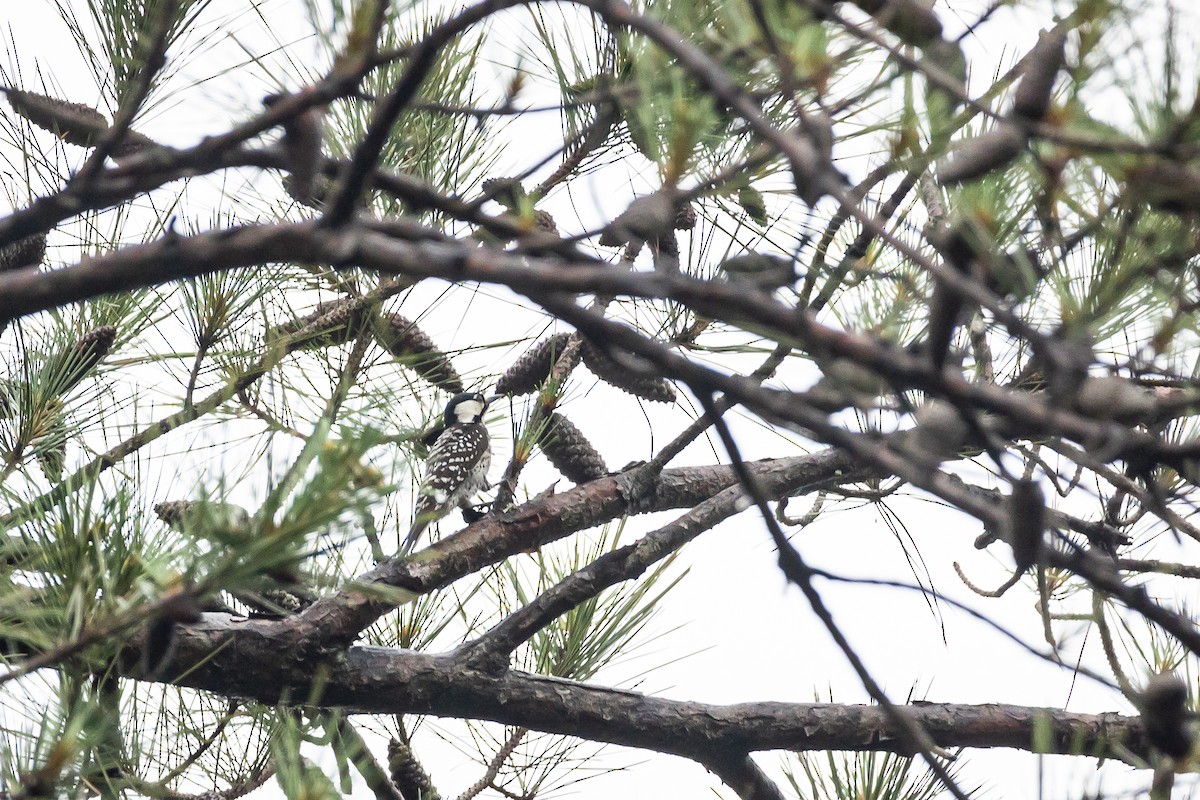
(491, 398)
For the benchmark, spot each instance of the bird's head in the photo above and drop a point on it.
(465, 408)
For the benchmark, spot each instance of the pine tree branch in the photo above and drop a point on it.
(254, 659)
(490, 651)
(797, 572)
(740, 773)
(335, 622)
(24, 292)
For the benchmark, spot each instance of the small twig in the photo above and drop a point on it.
(1109, 647)
(254, 780)
(202, 748)
(125, 620)
(257, 411)
(421, 60)
(194, 376)
(998, 592)
(495, 765)
(315, 442)
(581, 145)
(809, 516)
(270, 358)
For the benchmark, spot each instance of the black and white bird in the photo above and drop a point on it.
(457, 466)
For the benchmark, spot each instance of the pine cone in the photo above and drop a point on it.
(407, 773)
(973, 158)
(402, 338)
(228, 521)
(333, 322)
(52, 458)
(685, 218)
(1026, 523)
(569, 450)
(508, 192)
(609, 371)
(83, 357)
(543, 222)
(172, 512)
(530, 370)
(1045, 60)
(131, 144)
(74, 123)
(26, 252)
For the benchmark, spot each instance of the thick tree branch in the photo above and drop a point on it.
(25, 291)
(337, 621)
(250, 659)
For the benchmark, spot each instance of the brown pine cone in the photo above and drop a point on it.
(644, 386)
(131, 144)
(1026, 523)
(530, 370)
(226, 520)
(332, 322)
(569, 450)
(402, 338)
(1032, 97)
(685, 218)
(407, 773)
(971, 159)
(172, 512)
(73, 366)
(508, 192)
(543, 222)
(26, 252)
(74, 123)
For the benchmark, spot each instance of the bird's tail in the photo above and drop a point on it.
(418, 527)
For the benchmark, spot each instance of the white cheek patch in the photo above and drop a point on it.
(468, 410)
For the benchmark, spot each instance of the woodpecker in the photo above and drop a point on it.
(457, 466)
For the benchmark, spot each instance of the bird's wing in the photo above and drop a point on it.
(456, 457)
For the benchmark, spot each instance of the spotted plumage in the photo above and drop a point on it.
(457, 466)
